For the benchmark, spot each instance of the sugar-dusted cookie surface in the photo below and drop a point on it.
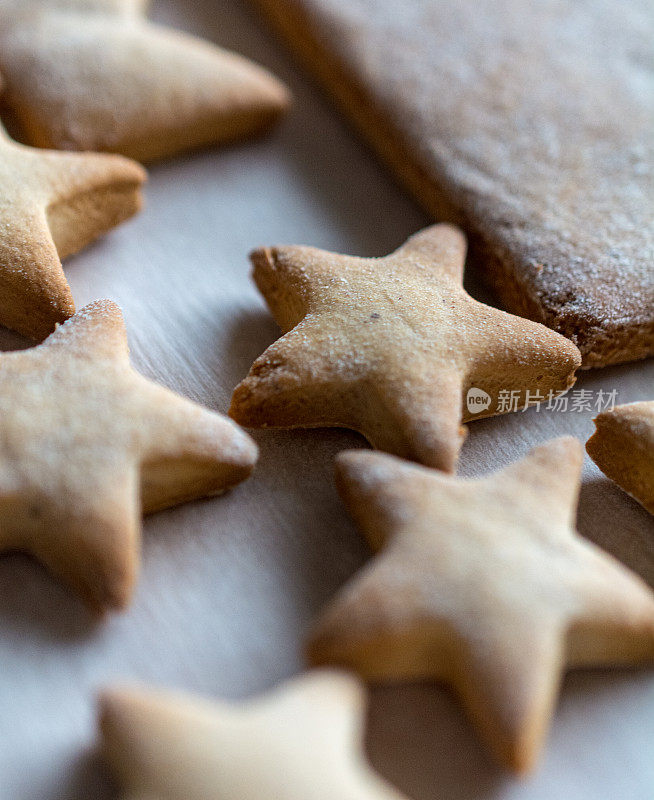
(483, 585)
(52, 205)
(390, 347)
(623, 448)
(303, 741)
(96, 75)
(495, 115)
(87, 444)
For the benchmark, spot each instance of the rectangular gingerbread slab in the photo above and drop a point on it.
(529, 122)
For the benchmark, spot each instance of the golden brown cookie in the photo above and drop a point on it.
(98, 76)
(87, 444)
(502, 128)
(391, 347)
(303, 741)
(53, 204)
(483, 585)
(623, 448)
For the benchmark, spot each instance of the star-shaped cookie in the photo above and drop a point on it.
(87, 444)
(301, 742)
(52, 205)
(97, 75)
(623, 448)
(391, 347)
(483, 585)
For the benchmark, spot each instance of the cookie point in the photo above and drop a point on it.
(522, 757)
(449, 229)
(348, 463)
(279, 95)
(437, 235)
(245, 449)
(138, 171)
(348, 685)
(107, 700)
(563, 450)
(100, 306)
(124, 169)
(263, 257)
(347, 457)
(110, 703)
(568, 443)
(572, 447)
(115, 598)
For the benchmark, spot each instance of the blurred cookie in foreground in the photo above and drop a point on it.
(303, 741)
